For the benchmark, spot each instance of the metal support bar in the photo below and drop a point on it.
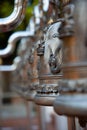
(13, 40)
(5, 68)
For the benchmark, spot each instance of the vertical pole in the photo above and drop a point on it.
(61, 122)
(41, 117)
(29, 114)
(71, 123)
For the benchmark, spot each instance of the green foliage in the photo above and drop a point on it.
(28, 15)
(6, 8)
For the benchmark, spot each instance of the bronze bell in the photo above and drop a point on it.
(50, 60)
(72, 100)
(49, 67)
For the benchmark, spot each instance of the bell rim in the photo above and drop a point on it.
(44, 100)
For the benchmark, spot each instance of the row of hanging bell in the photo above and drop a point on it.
(27, 72)
(67, 91)
(43, 83)
(33, 58)
(49, 64)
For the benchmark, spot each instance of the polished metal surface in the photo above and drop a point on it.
(53, 48)
(71, 105)
(45, 5)
(16, 17)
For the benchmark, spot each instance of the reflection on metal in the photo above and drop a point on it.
(12, 21)
(12, 67)
(45, 5)
(53, 46)
(37, 14)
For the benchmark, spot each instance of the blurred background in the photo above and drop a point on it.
(15, 112)
(13, 109)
